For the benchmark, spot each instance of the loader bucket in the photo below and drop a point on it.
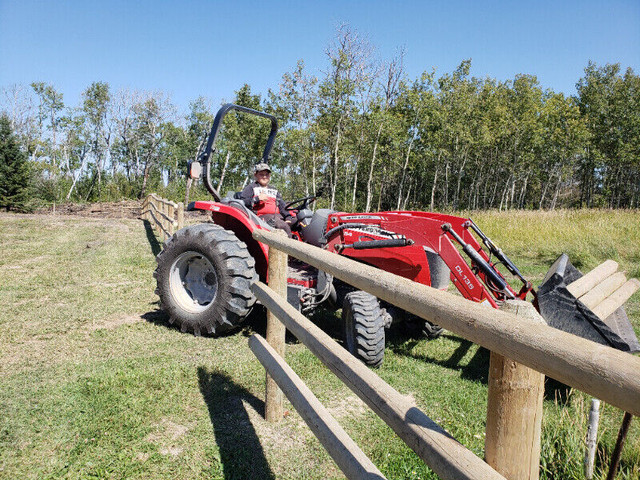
(563, 311)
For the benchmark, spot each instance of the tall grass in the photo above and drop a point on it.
(588, 236)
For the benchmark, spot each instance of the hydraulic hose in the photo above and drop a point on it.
(480, 262)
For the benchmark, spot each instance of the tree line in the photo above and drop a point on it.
(363, 135)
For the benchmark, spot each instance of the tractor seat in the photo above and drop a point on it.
(233, 200)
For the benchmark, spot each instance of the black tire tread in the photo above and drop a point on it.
(431, 330)
(361, 312)
(234, 264)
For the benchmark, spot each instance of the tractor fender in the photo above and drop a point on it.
(236, 220)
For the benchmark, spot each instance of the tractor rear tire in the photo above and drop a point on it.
(364, 324)
(204, 278)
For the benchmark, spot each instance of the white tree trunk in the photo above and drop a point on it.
(224, 170)
(404, 172)
(433, 187)
(75, 179)
(355, 185)
(334, 183)
(373, 161)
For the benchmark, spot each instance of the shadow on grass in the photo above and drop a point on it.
(324, 319)
(253, 324)
(158, 317)
(416, 416)
(476, 369)
(241, 453)
(156, 247)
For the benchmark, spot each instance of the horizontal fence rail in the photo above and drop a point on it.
(344, 451)
(163, 214)
(437, 448)
(601, 371)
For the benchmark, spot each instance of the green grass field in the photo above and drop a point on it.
(96, 384)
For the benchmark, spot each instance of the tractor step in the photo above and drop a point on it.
(301, 274)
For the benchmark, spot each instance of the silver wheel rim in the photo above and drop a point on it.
(193, 281)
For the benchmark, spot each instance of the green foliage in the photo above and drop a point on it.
(610, 104)
(363, 135)
(240, 144)
(49, 118)
(14, 170)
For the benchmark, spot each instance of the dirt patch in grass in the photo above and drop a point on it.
(292, 439)
(167, 437)
(123, 209)
(110, 324)
(59, 348)
(348, 407)
(288, 434)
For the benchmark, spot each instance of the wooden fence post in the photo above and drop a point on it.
(514, 410)
(171, 213)
(157, 211)
(152, 201)
(276, 331)
(180, 215)
(165, 210)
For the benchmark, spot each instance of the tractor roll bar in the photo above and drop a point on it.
(217, 122)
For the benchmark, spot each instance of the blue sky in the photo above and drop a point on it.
(212, 48)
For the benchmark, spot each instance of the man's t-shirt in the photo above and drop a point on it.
(272, 205)
(268, 206)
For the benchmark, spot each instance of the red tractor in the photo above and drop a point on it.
(205, 271)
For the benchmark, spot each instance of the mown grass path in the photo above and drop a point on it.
(95, 384)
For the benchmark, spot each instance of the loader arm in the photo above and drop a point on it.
(359, 235)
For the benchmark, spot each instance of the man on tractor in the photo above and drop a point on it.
(266, 201)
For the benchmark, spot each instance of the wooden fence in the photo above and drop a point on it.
(512, 336)
(163, 214)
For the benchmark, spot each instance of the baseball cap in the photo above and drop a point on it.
(260, 167)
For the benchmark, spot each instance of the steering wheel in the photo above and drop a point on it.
(300, 203)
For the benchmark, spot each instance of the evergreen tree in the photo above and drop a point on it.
(14, 170)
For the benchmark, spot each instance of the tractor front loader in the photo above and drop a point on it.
(205, 271)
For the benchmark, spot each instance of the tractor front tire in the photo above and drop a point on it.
(420, 327)
(431, 330)
(364, 324)
(204, 278)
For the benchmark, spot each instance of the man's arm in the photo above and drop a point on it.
(284, 213)
(247, 196)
